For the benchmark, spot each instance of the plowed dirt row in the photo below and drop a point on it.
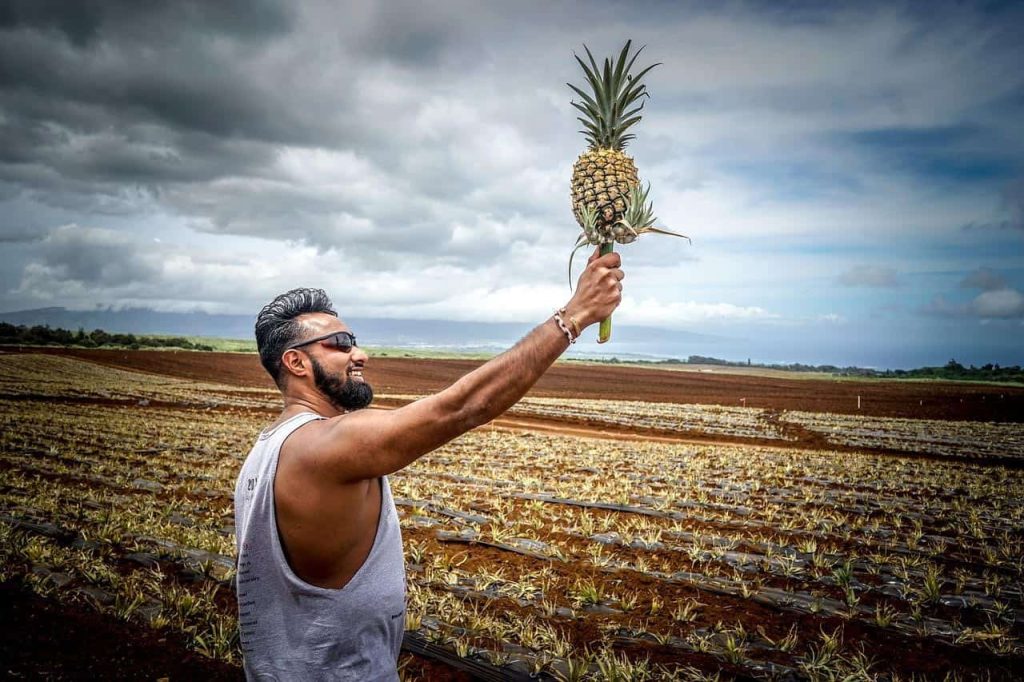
(36, 618)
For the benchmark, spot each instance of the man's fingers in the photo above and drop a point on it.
(609, 260)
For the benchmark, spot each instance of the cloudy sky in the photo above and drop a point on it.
(852, 176)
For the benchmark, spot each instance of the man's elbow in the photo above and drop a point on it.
(475, 413)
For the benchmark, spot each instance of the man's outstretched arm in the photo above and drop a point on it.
(371, 443)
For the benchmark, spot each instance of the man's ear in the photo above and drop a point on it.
(295, 362)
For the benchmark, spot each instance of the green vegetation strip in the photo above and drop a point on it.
(20, 335)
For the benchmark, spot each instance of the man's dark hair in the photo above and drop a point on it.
(277, 328)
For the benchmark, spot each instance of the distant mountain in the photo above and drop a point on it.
(371, 331)
(137, 321)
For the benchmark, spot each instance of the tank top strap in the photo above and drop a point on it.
(281, 432)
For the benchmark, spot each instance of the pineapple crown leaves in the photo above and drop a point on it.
(589, 216)
(638, 218)
(613, 90)
(639, 215)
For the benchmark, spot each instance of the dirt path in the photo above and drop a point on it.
(881, 398)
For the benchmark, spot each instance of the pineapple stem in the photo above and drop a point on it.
(605, 331)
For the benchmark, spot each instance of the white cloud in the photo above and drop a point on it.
(1003, 303)
(999, 303)
(676, 314)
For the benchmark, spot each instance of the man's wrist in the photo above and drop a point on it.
(567, 325)
(580, 317)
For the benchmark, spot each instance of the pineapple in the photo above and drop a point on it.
(602, 175)
(607, 200)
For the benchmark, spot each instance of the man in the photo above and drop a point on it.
(321, 573)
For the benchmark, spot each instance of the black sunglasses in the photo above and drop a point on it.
(343, 341)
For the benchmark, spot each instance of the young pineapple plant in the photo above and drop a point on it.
(607, 199)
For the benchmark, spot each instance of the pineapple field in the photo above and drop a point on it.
(676, 532)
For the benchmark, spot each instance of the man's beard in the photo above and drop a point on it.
(345, 395)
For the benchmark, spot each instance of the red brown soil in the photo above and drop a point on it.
(880, 398)
(44, 639)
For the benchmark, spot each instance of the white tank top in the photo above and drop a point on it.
(291, 630)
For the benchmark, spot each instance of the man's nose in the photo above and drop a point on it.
(359, 355)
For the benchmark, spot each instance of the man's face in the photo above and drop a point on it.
(352, 393)
(337, 373)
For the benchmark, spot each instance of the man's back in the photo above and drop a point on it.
(292, 630)
(327, 527)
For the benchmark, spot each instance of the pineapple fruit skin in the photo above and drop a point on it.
(601, 179)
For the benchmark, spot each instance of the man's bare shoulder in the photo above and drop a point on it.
(303, 440)
(312, 451)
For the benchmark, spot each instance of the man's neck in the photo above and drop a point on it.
(294, 404)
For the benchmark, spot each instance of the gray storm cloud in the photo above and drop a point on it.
(985, 279)
(997, 300)
(1013, 196)
(96, 257)
(372, 141)
(869, 276)
(206, 117)
(194, 103)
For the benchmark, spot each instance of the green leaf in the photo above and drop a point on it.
(621, 62)
(580, 243)
(590, 126)
(587, 99)
(626, 124)
(671, 234)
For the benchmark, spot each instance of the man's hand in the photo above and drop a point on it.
(599, 290)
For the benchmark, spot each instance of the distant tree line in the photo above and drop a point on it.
(790, 367)
(21, 335)
(952, 370)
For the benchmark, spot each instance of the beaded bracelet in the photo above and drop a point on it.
(575, 326)
(565, 329)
